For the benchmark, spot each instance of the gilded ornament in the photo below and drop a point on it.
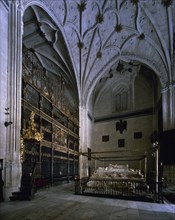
(31, 132)
(21, 149)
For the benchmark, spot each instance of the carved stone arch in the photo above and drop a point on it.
(162, 75)
(102, 91)
(43, 6)
(88, 92)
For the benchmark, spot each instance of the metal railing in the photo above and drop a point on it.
(122, 188)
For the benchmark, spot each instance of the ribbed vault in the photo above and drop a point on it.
(46, 41)
(102, 32)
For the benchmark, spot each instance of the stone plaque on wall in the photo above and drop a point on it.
(137, 135)
(105, 138)
(121, 142)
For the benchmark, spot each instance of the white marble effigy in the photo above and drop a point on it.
(116, 172)
(116, 177)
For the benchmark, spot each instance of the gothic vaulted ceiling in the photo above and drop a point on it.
(43, 37)
(85, 38)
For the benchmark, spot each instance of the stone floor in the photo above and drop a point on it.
(59, 202)
(169, 193)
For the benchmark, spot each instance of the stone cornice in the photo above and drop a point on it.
(123, 115)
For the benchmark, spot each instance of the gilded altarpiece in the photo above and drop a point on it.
(57, 152)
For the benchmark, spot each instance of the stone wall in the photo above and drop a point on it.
(132, 146)
(169, 173)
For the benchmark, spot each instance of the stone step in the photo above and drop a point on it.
(19, 197)
(19, 193)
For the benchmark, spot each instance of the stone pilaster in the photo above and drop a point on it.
(3, 78)
(12, 166)
(168, 104)
(172, 95)
(83, 164)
